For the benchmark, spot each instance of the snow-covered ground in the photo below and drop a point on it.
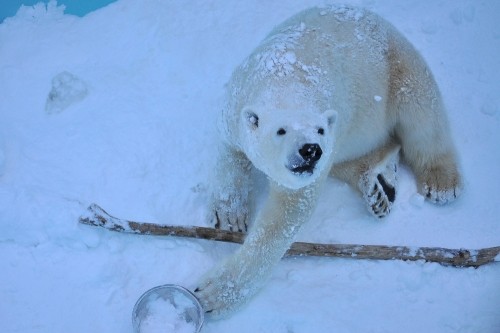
(132, 127)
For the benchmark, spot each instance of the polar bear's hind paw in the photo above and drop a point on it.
(378, 187)
(381, 198)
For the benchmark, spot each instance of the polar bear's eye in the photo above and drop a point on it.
(281, 131)
(321, 131)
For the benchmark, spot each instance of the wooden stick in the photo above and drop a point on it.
(96, 216)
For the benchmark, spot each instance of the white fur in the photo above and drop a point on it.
(340, 79)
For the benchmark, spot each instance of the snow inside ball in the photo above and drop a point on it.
(168, 308)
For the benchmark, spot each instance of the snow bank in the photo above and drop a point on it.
(140, 142)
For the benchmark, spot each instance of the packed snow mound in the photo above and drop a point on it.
(66, 90)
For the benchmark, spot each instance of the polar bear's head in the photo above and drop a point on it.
(291, 147)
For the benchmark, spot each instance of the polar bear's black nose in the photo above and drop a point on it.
(311, 152)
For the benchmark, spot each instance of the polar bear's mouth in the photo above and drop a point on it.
(306, 169)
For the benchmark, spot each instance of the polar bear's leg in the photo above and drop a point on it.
(421, 125)
(238, 278)
(375, 176)
(229, 200)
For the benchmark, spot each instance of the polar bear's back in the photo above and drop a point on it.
(319, 56)
(339, 58)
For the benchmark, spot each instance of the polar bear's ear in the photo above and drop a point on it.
(250, 117)
(331, 117)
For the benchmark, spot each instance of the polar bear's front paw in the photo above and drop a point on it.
(440, 185)
(379, 190)
(230, 214)
(225, 220)
(220, 294)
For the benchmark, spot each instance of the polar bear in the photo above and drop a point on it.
(331, 91)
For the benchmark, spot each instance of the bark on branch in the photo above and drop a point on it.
(96, 216)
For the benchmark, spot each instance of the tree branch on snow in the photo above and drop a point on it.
(96, 216)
